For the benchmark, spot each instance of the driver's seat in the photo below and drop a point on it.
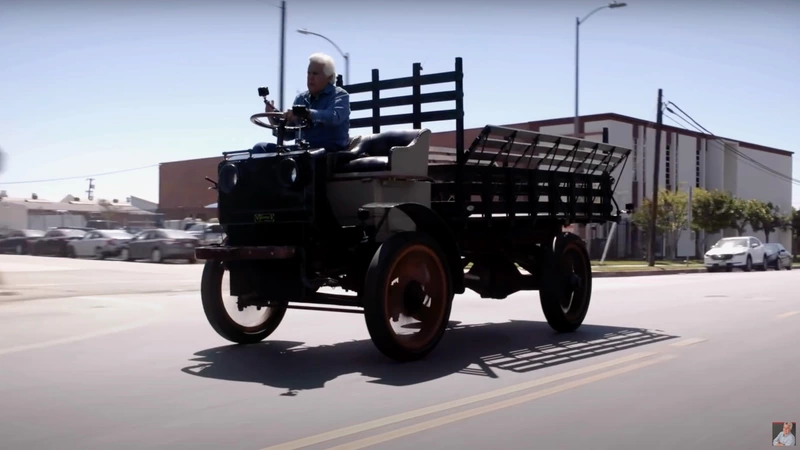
(376, 153)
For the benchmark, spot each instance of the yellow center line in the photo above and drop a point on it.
(687, 342)
(380, 438)
(377, 423)
(788, 314)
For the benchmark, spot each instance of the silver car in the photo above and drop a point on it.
(208, 233)
(99, 244)
(161, 244)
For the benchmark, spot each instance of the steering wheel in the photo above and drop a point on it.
(281, 124)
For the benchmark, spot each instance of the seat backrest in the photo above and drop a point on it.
(380, 144)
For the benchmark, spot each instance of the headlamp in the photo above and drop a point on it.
(228, 177)
(289, 171)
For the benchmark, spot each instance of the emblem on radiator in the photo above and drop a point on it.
(262, 218)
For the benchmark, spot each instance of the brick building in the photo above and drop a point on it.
(183, 190)
(688, 159)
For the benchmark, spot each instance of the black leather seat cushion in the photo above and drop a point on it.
(365, 164)
(372, 153)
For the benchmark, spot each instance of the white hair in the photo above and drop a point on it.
(327, 63)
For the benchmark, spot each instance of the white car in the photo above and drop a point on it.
(744, 252)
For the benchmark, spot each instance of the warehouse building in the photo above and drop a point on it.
(35, 213)
(688, 159)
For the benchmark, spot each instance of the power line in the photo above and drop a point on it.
(748, 160)
(742, 157)
(48, 180)
(732, 149)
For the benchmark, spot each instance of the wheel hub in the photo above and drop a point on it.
(413, 298)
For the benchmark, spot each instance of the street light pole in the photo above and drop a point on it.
(578, 22)
(282, 67)
(346, 56)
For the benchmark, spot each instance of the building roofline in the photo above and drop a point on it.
(649, 123)
(179, 161)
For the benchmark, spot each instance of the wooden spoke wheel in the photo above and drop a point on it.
(407, 296)
(566, 288)
(247, 326)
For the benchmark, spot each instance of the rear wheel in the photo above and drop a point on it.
(408, 287)
(566, 288)
(252, 324)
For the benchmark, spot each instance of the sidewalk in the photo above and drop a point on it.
(642, 269)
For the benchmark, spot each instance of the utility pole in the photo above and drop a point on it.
(283, 52)
(90, 191)
(651, 252)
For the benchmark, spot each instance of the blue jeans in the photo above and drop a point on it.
(270, 147)
(265, 147)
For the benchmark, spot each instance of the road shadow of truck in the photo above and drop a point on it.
(474, 349)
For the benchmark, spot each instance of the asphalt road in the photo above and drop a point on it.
(665, 362)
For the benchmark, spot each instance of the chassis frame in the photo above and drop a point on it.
(499, 205)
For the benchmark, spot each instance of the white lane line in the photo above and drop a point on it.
(455, 417)
(366, 426)
(688, 342)
(104, 332)
(40, 285)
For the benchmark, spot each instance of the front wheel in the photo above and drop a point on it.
(407, 288)
(249, 326)
(566, 288)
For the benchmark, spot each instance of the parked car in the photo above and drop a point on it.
(778, 257)
(19, 241)
(159, 245)
(208, 233)
(744, 252)
(54, 242)
(97, 224)
(99, 244)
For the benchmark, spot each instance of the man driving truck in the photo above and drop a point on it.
(328, 109)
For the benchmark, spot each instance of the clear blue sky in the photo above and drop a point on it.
(91, 86)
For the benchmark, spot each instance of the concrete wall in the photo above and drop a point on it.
(13, 215)
(45, 221)
(720, 168)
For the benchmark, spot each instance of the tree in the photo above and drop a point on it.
(712, 211)
(795, 223)
(757, 213)
(740, 214)
(774, 220)
(670, 216)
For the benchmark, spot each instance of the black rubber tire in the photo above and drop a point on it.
(378, 279)
(748, 265)
(218, 318)
(552, 292)
(764, 265)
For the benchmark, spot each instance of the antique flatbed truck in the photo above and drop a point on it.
(398, 223)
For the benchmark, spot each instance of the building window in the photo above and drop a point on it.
(667, 169)
(697, 168)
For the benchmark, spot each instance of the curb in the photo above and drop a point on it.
(645, 273)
